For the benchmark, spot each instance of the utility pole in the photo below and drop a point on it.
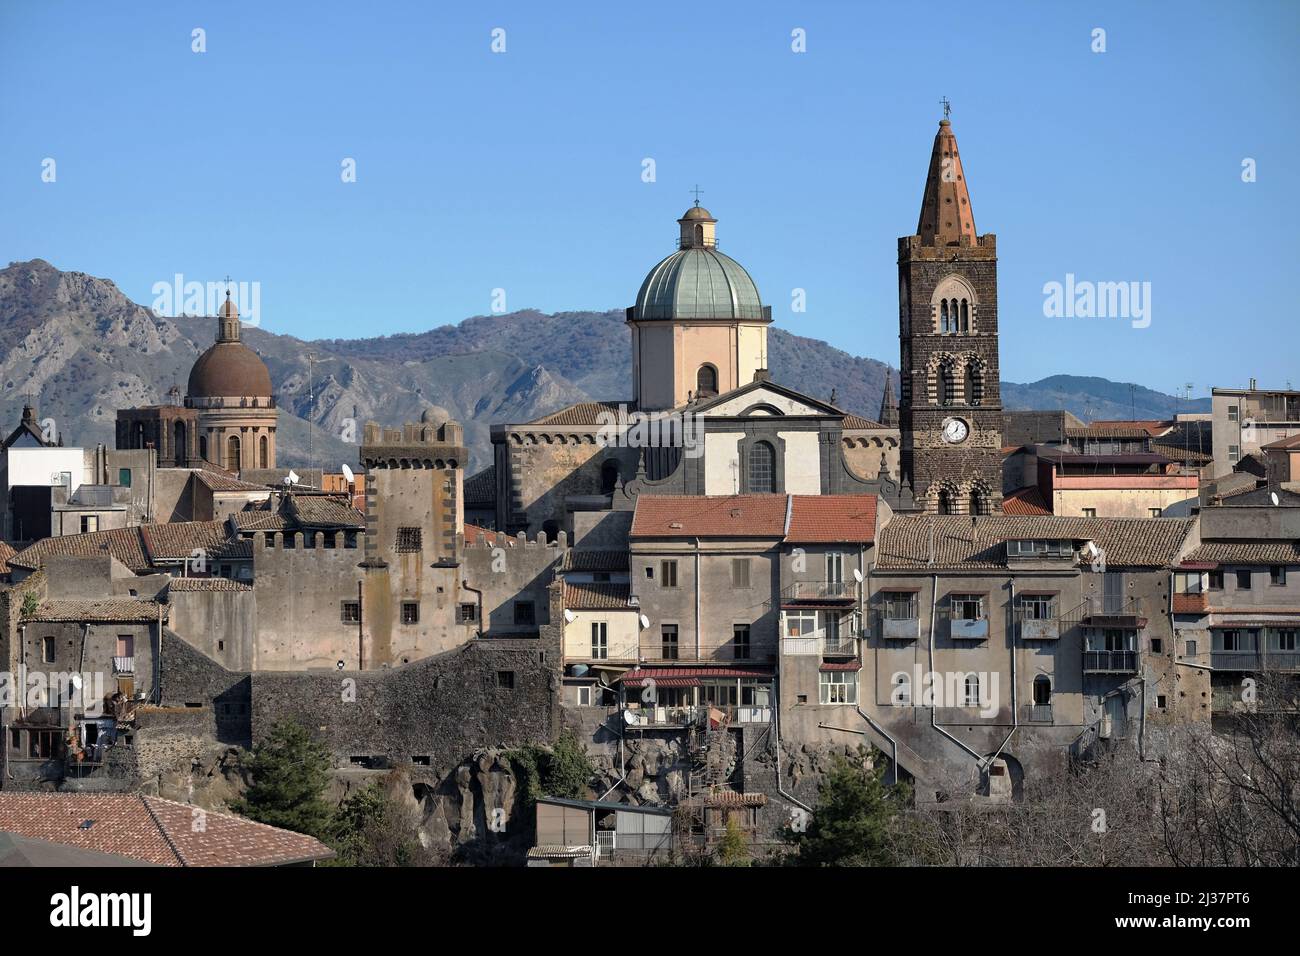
(311, 406)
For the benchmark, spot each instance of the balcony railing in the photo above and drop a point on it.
(900, 628)
(694, 715)
(123, 665)
(1036, 713)
(1110, 662)
(963, 629)
(1099, 611)
(820, 591)
(1255, 660)
(841, 646)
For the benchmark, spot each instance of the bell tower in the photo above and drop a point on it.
(950, 402)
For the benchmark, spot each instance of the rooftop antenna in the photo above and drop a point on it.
(697, 191)
(947, 107)
(311, 406)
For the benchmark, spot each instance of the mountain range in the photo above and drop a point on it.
(84, 350)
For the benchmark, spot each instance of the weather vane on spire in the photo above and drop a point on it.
(227, 285)
(697, 190)
(947, 107)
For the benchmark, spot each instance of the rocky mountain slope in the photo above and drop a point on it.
(85, 350)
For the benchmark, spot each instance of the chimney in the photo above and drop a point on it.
(762, 375)
(1252, 385)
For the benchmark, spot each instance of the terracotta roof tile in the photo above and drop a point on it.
(1025, 501)
(584, 596)
(962, 542)
(154, 830)
(1248, 552)
(727, 516)
(481, 488)
(831, 518)
(583, 413)
(323, 511)
(178, 540)
(112, 610)
(593, 559)
(122, 543)
(6, 552)
(218, 481)
(853, 422)
(207, 584)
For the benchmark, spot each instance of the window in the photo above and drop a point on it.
(584, 696)
(1038, 607)
(838, 687)
(668, 574)
(232, 453)
(1243, 580)
(262, 455)
(740, 572)
(89, 523)
(740, 640)
(125, 645)
(1277, 576)
(668, 634)
(899, 605)
(410, 612)
(524, 614)
(706, 381)
(1036, 548)
(351, 612)
(124, 477)
(762, 468)
(800, 623)
(599, 640)
(1157, 645)
(1042, 689)
(945, 502)
(506, 680)
(1234, 453)
(1282, 640)
(47, 650)
(408, 540)
(835, 568)
(1233, 413)
(650, 572)
(1090, 512)
(972, 689)
(967, 607)
(1154, 512)
(1162, 702)
(1191, 648)
(467, 614)
(1216, 580)
(947, 386)
(608, 477)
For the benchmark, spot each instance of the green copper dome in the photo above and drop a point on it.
(697, 281)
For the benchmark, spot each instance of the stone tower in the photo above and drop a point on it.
(950, 406)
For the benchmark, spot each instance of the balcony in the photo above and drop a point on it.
(694, 715)
(123, 665)
(963, 629)
(1110, 612)
(1255, 660)
(826, 592)
(1110, 662)
(841, 646)
(1036, 713)
(1039, 629)
(900, 628)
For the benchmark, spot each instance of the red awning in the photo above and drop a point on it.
(661, 675)
(846, 666)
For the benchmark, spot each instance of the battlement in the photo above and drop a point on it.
(982, 247)
(485, 540)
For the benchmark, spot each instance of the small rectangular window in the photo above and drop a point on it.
(468, 613)
(968, 607)
(1243, 580)
(47, 650)
(506, 680)
(668, 634)
(1277, 575)
(650, 572)
(89, 523)
(124, 477)
(1154, 512)
(740, 640)
(584, 696)
(838, 687)
(1157, 645)
(668, 574)
(1216, 581)
(1233, 412)
(1191, 648)
(524, 614)
(410, 612)
(599, 640)
(1234, 453)
(351, 612)
(740, 572)
(408, 540)
(1161, 702)
(1090, 512)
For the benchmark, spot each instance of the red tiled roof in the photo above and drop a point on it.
(583, 596)
(207, 584)
(178, 540)
(220, 481)
(637, 676)
(476, 534)
(845, 666)
(1190, 603)
(1292, 441)
(594, 559)
(583, 413)
(829, 518)
(1025, 501)
(1248, 552)
(154, 830)
(6, 552)
(726, 516)
(1138, 428)
(852, 422)
(122, 543)
(113, 610)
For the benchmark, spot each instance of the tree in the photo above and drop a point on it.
(564, 770)
(855, 818)
(374, 829)
(290, 771)
(732, 850)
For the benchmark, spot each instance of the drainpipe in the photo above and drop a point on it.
(465, 584)
(361, 630)
(934, 720)
(697, 599)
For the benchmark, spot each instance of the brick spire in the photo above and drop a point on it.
(946, 213)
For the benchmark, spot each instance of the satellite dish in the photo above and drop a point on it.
(629, 717)
(1092, 548)
(569, 616)
(645, 621)
(1273, 495)
(348, 476)
(291, 478)
(857, 575)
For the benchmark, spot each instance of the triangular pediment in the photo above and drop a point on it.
(766, 399)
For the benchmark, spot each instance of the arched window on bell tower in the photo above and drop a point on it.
(954, 303)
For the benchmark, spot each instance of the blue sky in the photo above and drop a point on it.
(523, 170)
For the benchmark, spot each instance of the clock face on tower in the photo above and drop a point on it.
(955, 431)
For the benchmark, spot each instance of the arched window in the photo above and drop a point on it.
(976, 384)
(232, 453)
(976, 502)
(699, 235)
(706, 381)
(972, 689)
(203, 447)
(762, 468)
(1042, 690)
(947, 387)
(262, 456)
(943, 317)
(608, 477)
(965, 316)
(180, 444)
(945, 502)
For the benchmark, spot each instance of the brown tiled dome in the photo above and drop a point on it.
(229, 369)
